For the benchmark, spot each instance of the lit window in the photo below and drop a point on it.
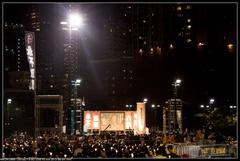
(124, 33)
(171, 46)
(140, 51)
(51, 76)
(152, 14)
(140, 37)
(188, 20)
(188, 7)
(144, 21)
(200, 44)
(51, 86)
(230, 47)
(125, 15)
(179, 8)
(111, 30)
(151, 49)
(144, 42)
(130, 30)
(159, 49)
(124, 51)
(188, 40)
(189, 26)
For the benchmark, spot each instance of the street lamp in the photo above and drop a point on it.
(9, 102)
(145, 100)
(176, 84)
(211, 101)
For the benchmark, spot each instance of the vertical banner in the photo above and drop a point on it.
(30, 50)
(141, 117)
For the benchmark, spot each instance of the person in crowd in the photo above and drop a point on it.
(171, 154)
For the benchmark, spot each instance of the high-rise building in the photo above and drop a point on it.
(39, 21)
(114, 64)
(18, 98)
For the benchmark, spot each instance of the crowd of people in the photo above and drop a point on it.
(107, 145)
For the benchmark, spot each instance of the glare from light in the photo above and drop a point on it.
(153, 106)
(75, 20)
(202, 106)
(75, 28)
(231, 106)
(63, 23)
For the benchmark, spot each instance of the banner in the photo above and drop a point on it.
(30, 50)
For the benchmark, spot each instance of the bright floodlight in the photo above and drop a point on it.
(178, 81)
(75, 20)
(211, 101)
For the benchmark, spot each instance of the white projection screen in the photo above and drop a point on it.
(112, 121)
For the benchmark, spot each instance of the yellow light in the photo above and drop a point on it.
(200, 44)
(230, 46)
(179, 8)
(188, 7)
(188, 40)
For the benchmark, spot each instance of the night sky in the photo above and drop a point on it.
(211, 73)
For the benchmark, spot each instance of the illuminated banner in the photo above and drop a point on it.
(30, 50)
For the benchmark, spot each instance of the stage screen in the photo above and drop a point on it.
(112, 121)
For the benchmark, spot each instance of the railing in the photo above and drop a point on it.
(206, 151)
